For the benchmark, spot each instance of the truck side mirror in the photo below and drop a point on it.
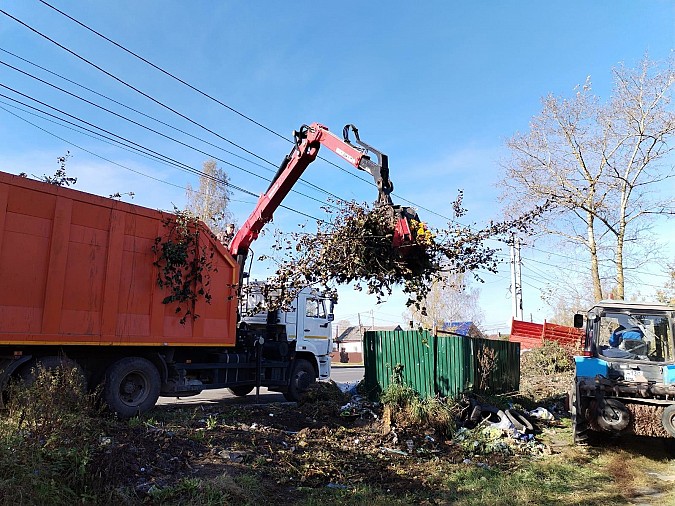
(331, 317)
(578, 321)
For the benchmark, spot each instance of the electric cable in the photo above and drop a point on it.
(149, 129)
(169, 160)
(312, 185)
(194, 89)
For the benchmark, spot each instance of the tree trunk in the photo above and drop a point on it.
(593, 250)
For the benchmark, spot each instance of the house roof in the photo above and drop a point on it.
(355, 333)
(462, 328)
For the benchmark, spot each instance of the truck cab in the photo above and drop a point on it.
(625, 380)
(306, 325)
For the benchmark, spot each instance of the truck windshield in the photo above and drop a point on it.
(635, 336)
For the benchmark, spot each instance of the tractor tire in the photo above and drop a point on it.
(241, 391)
(612, 416)
(668, 419)
(302, 377)
(131, 386)
(581, 432)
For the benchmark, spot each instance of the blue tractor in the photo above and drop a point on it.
(625, 380)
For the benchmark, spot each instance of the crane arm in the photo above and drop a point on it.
(308, 140)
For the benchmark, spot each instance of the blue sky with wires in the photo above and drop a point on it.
(436, 85)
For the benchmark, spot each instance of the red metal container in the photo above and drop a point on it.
(76, 268)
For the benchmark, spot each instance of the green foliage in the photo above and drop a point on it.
(48, 439)
(184, 265)
(398, 394)
(551, 358)
(433, 412)
(534, 482)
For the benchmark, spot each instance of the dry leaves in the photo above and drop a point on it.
(355, 246)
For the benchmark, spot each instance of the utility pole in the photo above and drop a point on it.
(516, 281)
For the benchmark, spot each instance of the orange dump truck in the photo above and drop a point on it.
(79, 285)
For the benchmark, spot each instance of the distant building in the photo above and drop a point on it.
(462, 328)
(348, 343)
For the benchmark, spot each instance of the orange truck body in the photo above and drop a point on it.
(78, 269)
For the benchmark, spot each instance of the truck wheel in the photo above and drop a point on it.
(131, 386)
(613, 416)
(302, 378)
(241, 391)
(668, 419)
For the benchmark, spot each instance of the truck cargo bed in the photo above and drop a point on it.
(76, 268)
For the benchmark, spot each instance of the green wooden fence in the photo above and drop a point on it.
(444, 365)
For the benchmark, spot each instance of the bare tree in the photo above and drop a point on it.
(210, 201)
(666, 294)
(600, 167)
(448, 300)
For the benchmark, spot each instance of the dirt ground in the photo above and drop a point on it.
(318, 443)
(313, 444)
(308, 445)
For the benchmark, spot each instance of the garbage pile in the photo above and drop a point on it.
(477, 428)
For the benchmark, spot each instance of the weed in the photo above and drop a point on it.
(487, 362)
(434, 412)
(398, 394)
(216, 491)
(49, 438)
(533, 483)
(211, 422)
(551, 358)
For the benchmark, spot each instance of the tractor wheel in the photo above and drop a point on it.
(668, 419)
(302, 378)
(131, 386)
(613, 416)
(581, 432)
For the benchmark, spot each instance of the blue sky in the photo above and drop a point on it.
(438, 86)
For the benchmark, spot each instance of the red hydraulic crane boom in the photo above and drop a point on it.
(308, 140)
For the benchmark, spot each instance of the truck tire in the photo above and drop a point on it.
(302, 377)
(131, 386)
(668, 419)
(241, 391)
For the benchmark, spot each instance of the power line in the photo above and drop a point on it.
(156, 67)
(130, 86)
(312, 185)
(83, 131)
(578, 261)
(197, 90)
(168, 160)
(148, 128)
(149, 97)
(581, 272)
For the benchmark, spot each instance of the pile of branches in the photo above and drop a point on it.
(355, 245)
